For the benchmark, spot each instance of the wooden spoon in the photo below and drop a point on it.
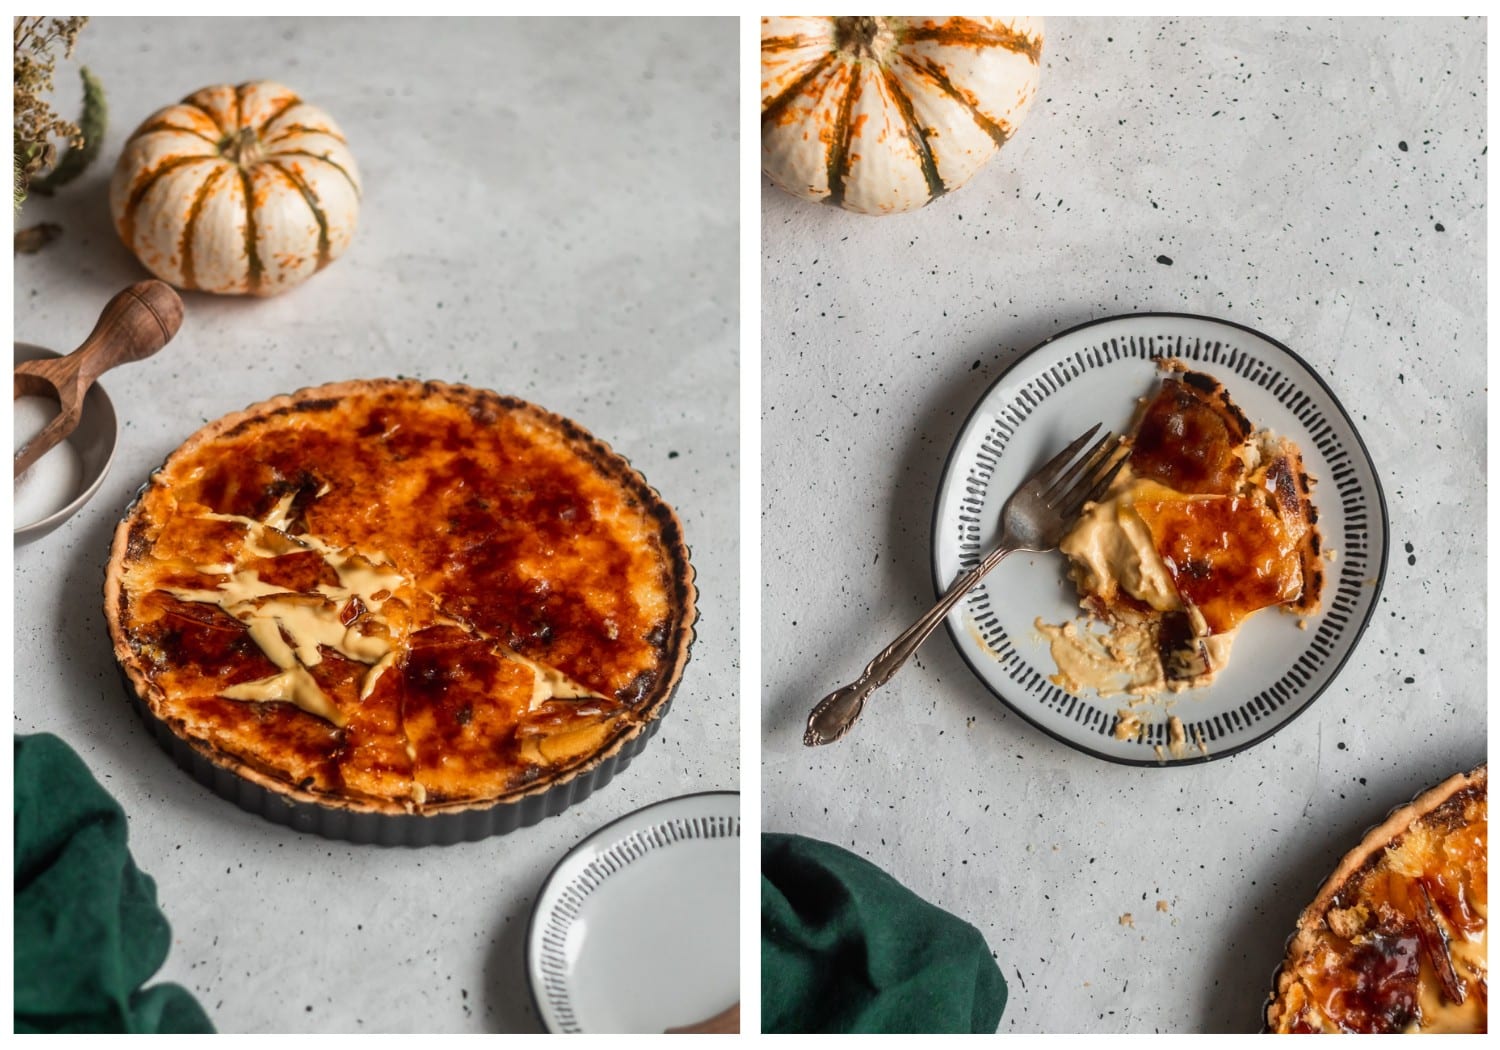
(721, 1023)
(135, 324)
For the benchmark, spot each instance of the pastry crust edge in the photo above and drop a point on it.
(1375, 841)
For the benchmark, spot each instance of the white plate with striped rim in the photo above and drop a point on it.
(637, 928)
(1096, 372)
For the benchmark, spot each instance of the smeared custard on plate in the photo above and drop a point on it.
(1210, 522)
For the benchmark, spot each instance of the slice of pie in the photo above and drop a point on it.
(1395, 940)
(400, 597)
(1209, 522)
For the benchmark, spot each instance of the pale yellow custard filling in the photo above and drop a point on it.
(1112, 553)
(1112, 550)
(291, 628)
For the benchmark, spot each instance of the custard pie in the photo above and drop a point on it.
(399, 597)
(1209, 522)
(1396, 940)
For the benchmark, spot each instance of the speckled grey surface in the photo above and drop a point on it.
(550, 210)
(1322, 181)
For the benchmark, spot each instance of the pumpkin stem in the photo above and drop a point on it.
(857, 33)
(243, 149)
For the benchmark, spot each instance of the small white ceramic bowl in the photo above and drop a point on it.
(95, 438)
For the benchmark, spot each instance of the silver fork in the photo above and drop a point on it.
(1035, 518)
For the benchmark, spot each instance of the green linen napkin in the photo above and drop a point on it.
(88, 933)
(846, 948)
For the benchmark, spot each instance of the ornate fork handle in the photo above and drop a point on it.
(836, 712)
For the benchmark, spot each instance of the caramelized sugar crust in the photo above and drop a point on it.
(1396, 940)
(513, 531)
(1228, 557)
(1255, 546)
(1189, 435)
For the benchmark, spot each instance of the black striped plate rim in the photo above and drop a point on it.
(559, 904)
(1242, 358)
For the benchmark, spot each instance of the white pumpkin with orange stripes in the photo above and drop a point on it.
(883, 114)
(242, 190)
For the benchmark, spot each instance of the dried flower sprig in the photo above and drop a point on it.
(38, 169)
(38, 40)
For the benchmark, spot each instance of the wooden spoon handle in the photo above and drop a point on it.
(721, 1023)
(135, 324)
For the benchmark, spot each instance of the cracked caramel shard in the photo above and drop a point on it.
(399, 597)
(1397, 939)
(1210, 522)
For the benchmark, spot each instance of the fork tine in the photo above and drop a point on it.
(1049, 470)
(1102, 485)
(1083, 468)
(1094, 485)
